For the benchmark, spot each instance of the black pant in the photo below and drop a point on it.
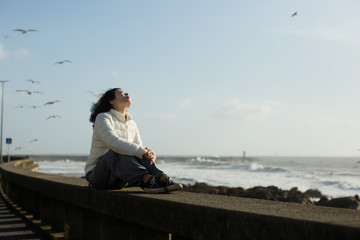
(116, 171)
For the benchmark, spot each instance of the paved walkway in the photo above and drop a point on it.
(12, 226)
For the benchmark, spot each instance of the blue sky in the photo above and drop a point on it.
(206, 77)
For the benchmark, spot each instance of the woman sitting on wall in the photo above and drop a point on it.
(117, 157)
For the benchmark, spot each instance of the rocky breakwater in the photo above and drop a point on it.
(276, 194)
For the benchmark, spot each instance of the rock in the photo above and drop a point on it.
(201, 188)
(343, 202)
(268, 193)
(222, 190)
(276, 194)
(237, 192)
(357, 197)
(296, 196)
(313, 193)
(323, 201)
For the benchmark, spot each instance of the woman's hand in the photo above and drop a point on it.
(150, 155)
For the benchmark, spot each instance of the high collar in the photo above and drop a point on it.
(121, 117)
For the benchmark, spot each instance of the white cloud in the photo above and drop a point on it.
(346, 33)
(19, 53)
(114, 73)
(326, 33)
(3, 52)
(166, 116)
(331, 122)
(183, 103)
(247, 110)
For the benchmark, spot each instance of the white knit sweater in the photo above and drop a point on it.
(115, 131)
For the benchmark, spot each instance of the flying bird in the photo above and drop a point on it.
(23, 31)
(33, 81)
(294, 14)
(5, 36)
(62, 62)
(51, 102)
(34, 107)
(53, 116)
(28, 92)
(96, 94)
(18, 148)
(21, 106)
(34, 140)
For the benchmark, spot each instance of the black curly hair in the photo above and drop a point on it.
(103, 105)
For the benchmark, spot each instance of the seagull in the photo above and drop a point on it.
(34, 107)
(62, 62)
(21, 106)
(18, 148)
(96, 94)
(53, 116)
(33, 81)
(52, 102)
(294, 14)
(28, 92)
(34, 140)
(23, 31)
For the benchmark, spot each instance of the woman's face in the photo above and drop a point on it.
(122, 99)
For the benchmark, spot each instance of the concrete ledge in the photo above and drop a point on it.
(67, 204)
(27, 164)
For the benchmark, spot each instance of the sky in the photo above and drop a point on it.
(206, 77)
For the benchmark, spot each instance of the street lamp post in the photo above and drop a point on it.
(2, 118)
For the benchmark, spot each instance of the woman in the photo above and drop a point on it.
(117, 157)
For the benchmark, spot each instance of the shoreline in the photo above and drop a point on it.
(274, 193)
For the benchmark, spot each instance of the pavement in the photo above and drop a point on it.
(13, 226)
(17, 224)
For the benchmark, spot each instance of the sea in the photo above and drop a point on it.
(332, 176)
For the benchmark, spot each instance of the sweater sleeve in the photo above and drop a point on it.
(137, 138)
(106, 132)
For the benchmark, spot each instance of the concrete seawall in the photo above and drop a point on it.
(67, 205)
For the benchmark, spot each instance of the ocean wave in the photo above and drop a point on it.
(62, 161)
(204, 160)
(207, 163)
(231, 165)
(222, 160)
(184, 180)
(256, 167)
(348, 174)
(341, 185)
